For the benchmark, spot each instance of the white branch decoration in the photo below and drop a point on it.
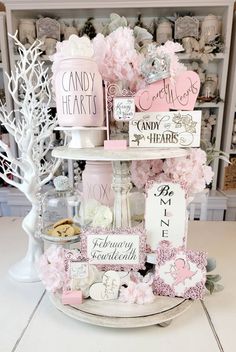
(31, 125)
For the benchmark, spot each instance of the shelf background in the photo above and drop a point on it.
(81, 10)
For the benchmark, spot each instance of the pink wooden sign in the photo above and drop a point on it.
(165, 95)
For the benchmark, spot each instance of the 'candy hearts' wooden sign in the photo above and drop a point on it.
(164, 95)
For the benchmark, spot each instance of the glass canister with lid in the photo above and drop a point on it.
(61, 212)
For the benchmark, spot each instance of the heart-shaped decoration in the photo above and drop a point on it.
(108, 288)
(165, 94)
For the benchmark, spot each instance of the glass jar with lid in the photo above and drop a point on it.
(61, 212)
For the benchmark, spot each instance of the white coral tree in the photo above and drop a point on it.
(31, 125)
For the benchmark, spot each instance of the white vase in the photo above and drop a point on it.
(164, 32)
(210, 27)
(26, 29)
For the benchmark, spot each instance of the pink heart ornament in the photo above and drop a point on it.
(165, 94)
(107, 289)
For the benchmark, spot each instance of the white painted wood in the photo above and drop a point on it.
(118, 309)
(17, 300)
(101, 154)
(172, 311)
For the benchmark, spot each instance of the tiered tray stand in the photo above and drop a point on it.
(114, 313)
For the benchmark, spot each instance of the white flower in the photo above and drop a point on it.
(90, 209)
(80, 46)
(103, 217)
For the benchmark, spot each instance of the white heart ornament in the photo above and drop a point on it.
(107, 289)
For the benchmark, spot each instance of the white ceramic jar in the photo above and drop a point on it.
(210, 27)
(164, 32)
(26, 28)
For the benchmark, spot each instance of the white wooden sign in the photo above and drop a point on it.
(165, 214)
(122, 249)
(123, 109)
(165, 129)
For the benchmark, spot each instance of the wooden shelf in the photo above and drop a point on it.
(185, 56)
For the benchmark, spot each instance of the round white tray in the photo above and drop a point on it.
(115, 314)
(100, 154)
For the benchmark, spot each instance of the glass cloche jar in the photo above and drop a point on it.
(60, 212)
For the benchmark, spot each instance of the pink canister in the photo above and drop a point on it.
(97, 180)
(79, 93)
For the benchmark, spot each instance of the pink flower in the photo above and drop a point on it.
(139, 290)
(191, 171)
(51, 268)
(117, 58)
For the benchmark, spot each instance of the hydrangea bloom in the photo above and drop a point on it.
(117, 58)
(51, 269)
(190, 171)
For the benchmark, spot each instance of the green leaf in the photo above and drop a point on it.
(210, 286)
(211, 264)
(214, 278)
(218, 288)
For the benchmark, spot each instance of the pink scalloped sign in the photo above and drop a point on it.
(118, 249)
(164, 95)
(180, 272)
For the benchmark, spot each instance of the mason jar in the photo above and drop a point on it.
(96, 181)
(79, 93)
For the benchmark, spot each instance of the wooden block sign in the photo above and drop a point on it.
(165, 214)
(119, 249)
(165, 129)
(123, 108)
(164, 95)
(180, 273)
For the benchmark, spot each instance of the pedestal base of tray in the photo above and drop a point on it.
(115, 314)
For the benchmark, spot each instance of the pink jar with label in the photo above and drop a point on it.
(96, 180)
(79, 93)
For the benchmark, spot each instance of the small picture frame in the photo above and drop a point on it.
(123, 108)
(179, 272)
(121, 249)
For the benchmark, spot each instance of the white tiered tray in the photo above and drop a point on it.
(115, 314)
(101, 154)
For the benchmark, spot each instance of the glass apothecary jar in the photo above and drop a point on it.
(61, 212)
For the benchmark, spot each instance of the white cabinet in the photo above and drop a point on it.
(4, 68)
(229, 127)
(100, 10)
